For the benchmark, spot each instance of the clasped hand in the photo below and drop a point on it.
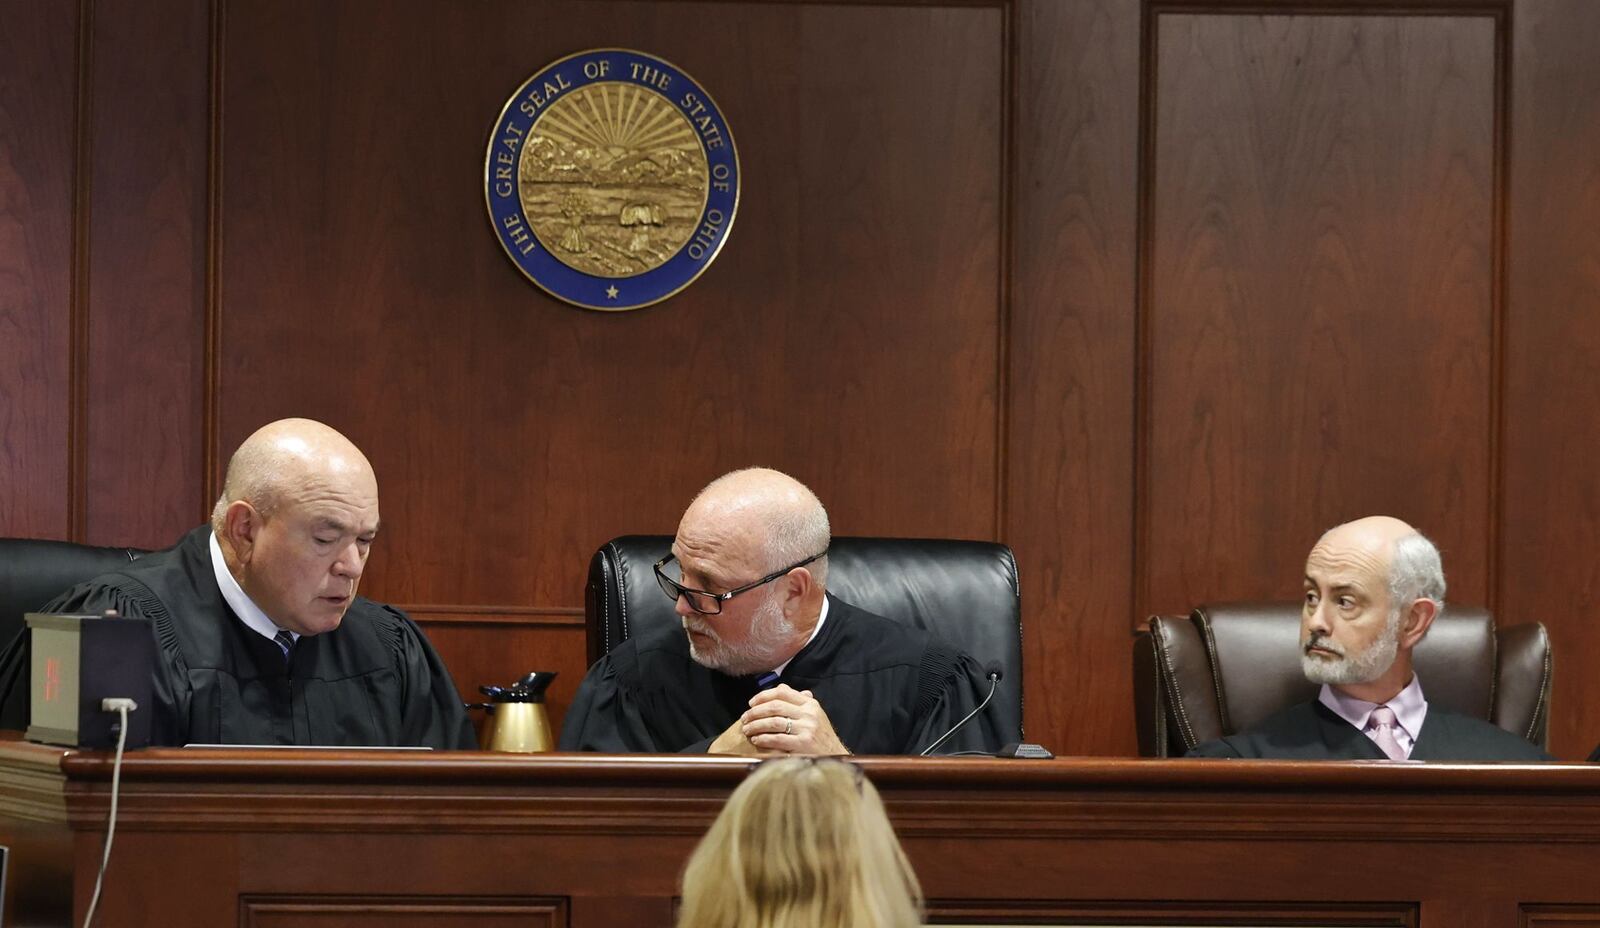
(781, 720)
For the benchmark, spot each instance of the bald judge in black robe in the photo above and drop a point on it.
(1312, 731)
(886, 687)
(373, 681)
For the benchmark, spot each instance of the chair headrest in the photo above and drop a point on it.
(1256, 649)
(33, 572)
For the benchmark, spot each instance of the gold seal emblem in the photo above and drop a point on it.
(611, 179)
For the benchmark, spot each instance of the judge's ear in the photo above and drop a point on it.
(241, 525)
(797, 586)
(1416, 622)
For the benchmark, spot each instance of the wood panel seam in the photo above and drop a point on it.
(210, 388)
(1500, 256)
(78, 298)
(1008, 157)
(1143, 245)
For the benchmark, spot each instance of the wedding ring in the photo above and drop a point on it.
(788, 726)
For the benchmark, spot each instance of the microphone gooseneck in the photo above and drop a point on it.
(994, 674)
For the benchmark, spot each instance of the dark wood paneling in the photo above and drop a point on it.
(1560, 916)
(938, 346)
(1069, 455)
(1552, 402)
(1168, 914)
(499, 649)
(399, 912)
(38, 100)
(146, 271)
(204, 901)
(513, 435)
(1088, 842)
(1319, 334)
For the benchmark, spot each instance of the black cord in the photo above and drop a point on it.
(994, 683)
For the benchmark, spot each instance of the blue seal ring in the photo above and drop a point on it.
(504, 181)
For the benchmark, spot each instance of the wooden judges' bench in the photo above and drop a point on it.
(355, 838)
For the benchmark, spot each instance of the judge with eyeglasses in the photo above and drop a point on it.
(766, 661)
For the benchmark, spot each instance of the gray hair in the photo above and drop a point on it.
(791, 518)
(255, 475)
(796, 533)
(1415, 572)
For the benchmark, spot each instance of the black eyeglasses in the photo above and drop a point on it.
(708, 603)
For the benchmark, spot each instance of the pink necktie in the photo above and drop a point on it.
(1381, 725)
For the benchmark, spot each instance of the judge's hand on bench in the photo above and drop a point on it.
(781, 720)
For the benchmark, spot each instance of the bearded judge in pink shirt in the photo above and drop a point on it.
(1373, 588)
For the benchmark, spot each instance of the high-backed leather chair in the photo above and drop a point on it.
(33, 572)
(1224, 668)
(965, 592)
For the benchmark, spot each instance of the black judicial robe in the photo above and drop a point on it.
(886, 687)
(1312, 731)
(373, 681)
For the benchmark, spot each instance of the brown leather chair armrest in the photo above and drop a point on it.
(1183, 665)
(1522, 690)
(1149, 706)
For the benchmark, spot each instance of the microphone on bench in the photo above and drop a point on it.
(992, 671)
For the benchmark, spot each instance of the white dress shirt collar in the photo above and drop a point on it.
(241, 604)
(821, 617)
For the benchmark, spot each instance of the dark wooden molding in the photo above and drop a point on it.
(1558, 916)
(1500, 252)
(1143, 249)
(1309, 914)
(1007, 218)
(259, 910)
(427, 613)
(1073, 841)
(78, 301)
(211, 389)
(1106, 799)
(1331, 7)
(886, 4)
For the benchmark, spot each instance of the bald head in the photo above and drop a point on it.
(770, 518)
(1373, 588)
(743, 527)
(1376, 533)
(284, 458)
(1392, 549)
(295, 522)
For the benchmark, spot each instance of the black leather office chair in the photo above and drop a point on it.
(965, 592)
(33, 572)
(1225, 668)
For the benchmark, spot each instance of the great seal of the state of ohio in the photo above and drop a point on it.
(612, 179)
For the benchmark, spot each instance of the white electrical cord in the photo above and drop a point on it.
(121, 706)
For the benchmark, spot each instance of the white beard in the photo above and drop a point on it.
(1363, 667)
(770, 629)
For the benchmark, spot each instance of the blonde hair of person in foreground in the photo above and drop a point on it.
(802, 843)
